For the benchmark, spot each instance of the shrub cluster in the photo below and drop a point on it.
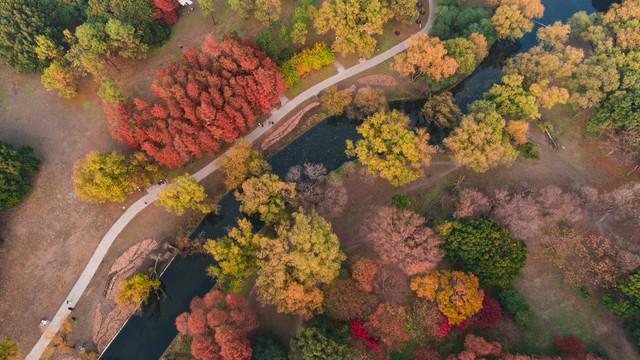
(303, 62)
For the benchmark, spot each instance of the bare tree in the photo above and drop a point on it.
(400, 236)
(472, 203)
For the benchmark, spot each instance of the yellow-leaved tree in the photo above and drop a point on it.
(390, 149)
(305, 254)
(236, 254)
(514, 18)
(184, 192)
(457, 294)
(480, 142)
(136, 291)
(109, 176)
(354, 21)
(241, 162)
(266, 195)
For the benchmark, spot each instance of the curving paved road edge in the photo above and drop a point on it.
(152, 195)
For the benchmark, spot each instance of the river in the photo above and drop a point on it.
(147, 336)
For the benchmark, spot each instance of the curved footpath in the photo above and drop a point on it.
(152, 192)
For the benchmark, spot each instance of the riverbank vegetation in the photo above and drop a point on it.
(424, 273)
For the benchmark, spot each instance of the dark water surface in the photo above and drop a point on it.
(146, 337)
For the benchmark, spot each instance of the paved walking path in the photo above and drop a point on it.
(133, 210)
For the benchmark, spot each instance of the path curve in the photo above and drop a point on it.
(138, 206)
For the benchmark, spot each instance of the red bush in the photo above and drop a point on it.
(490, 315)
(570, 346)
(443, 327)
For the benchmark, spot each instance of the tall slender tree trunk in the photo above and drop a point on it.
(212, 19)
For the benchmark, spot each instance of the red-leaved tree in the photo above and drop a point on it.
(490, 314)
(206, 99)
(220, 326)
(570, 346)
(166, 10)
(388, 324)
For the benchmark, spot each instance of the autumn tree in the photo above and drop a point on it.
(517, 131)
(472, 203)
(59, 75)
(490, 314)
(440, 110)
(17, 165)
(266, 195)
(344, 300)
(167, 10)
(463, 51)
(305, 253)
(334, 102)
(184, 192)
(403, 10)
(353, 21)
(208, 98)
(514, 18)
(241, 162)
(570, 346)
(236, 254)
(476, 347)
(8, 350)
(109, 176)
(481, 246)
(584, 260)
(315, 192)
(388, 324)
(363, 272)
(134, 292)
(390, 149)
(457, 294)
(111, 92)
(513, 100)
(319, 342)
(266, 11)
(305, 61)
(481, 46)
(400, 236)
(480, 143)
(208, 7)
(426, 56)
(220, 326)
(367, 102)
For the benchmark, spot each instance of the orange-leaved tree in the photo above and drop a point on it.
(457, 294)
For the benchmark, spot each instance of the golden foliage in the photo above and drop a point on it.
(425, 56)
(240, 162)
(135, 291)
(517, 131)
(457, 294)
(266, 195)
(184, 192)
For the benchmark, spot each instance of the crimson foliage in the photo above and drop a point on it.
(206, 99)
(166, 10)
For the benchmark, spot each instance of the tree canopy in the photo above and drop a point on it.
(452, 21)
(390, 149)
(207, 99)
(425, 56)
(353, 21)
(480, 143)
(24, 22)
(457, 294)
(236, 254)
(514, 18)
(135, 291)
(305, 254)
(17, 164)
(267, 196)
(185, 192)
(482, 247)
(109, 176)
(240, 162)
(319, 342)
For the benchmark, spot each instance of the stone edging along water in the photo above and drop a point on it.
(152, 192)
